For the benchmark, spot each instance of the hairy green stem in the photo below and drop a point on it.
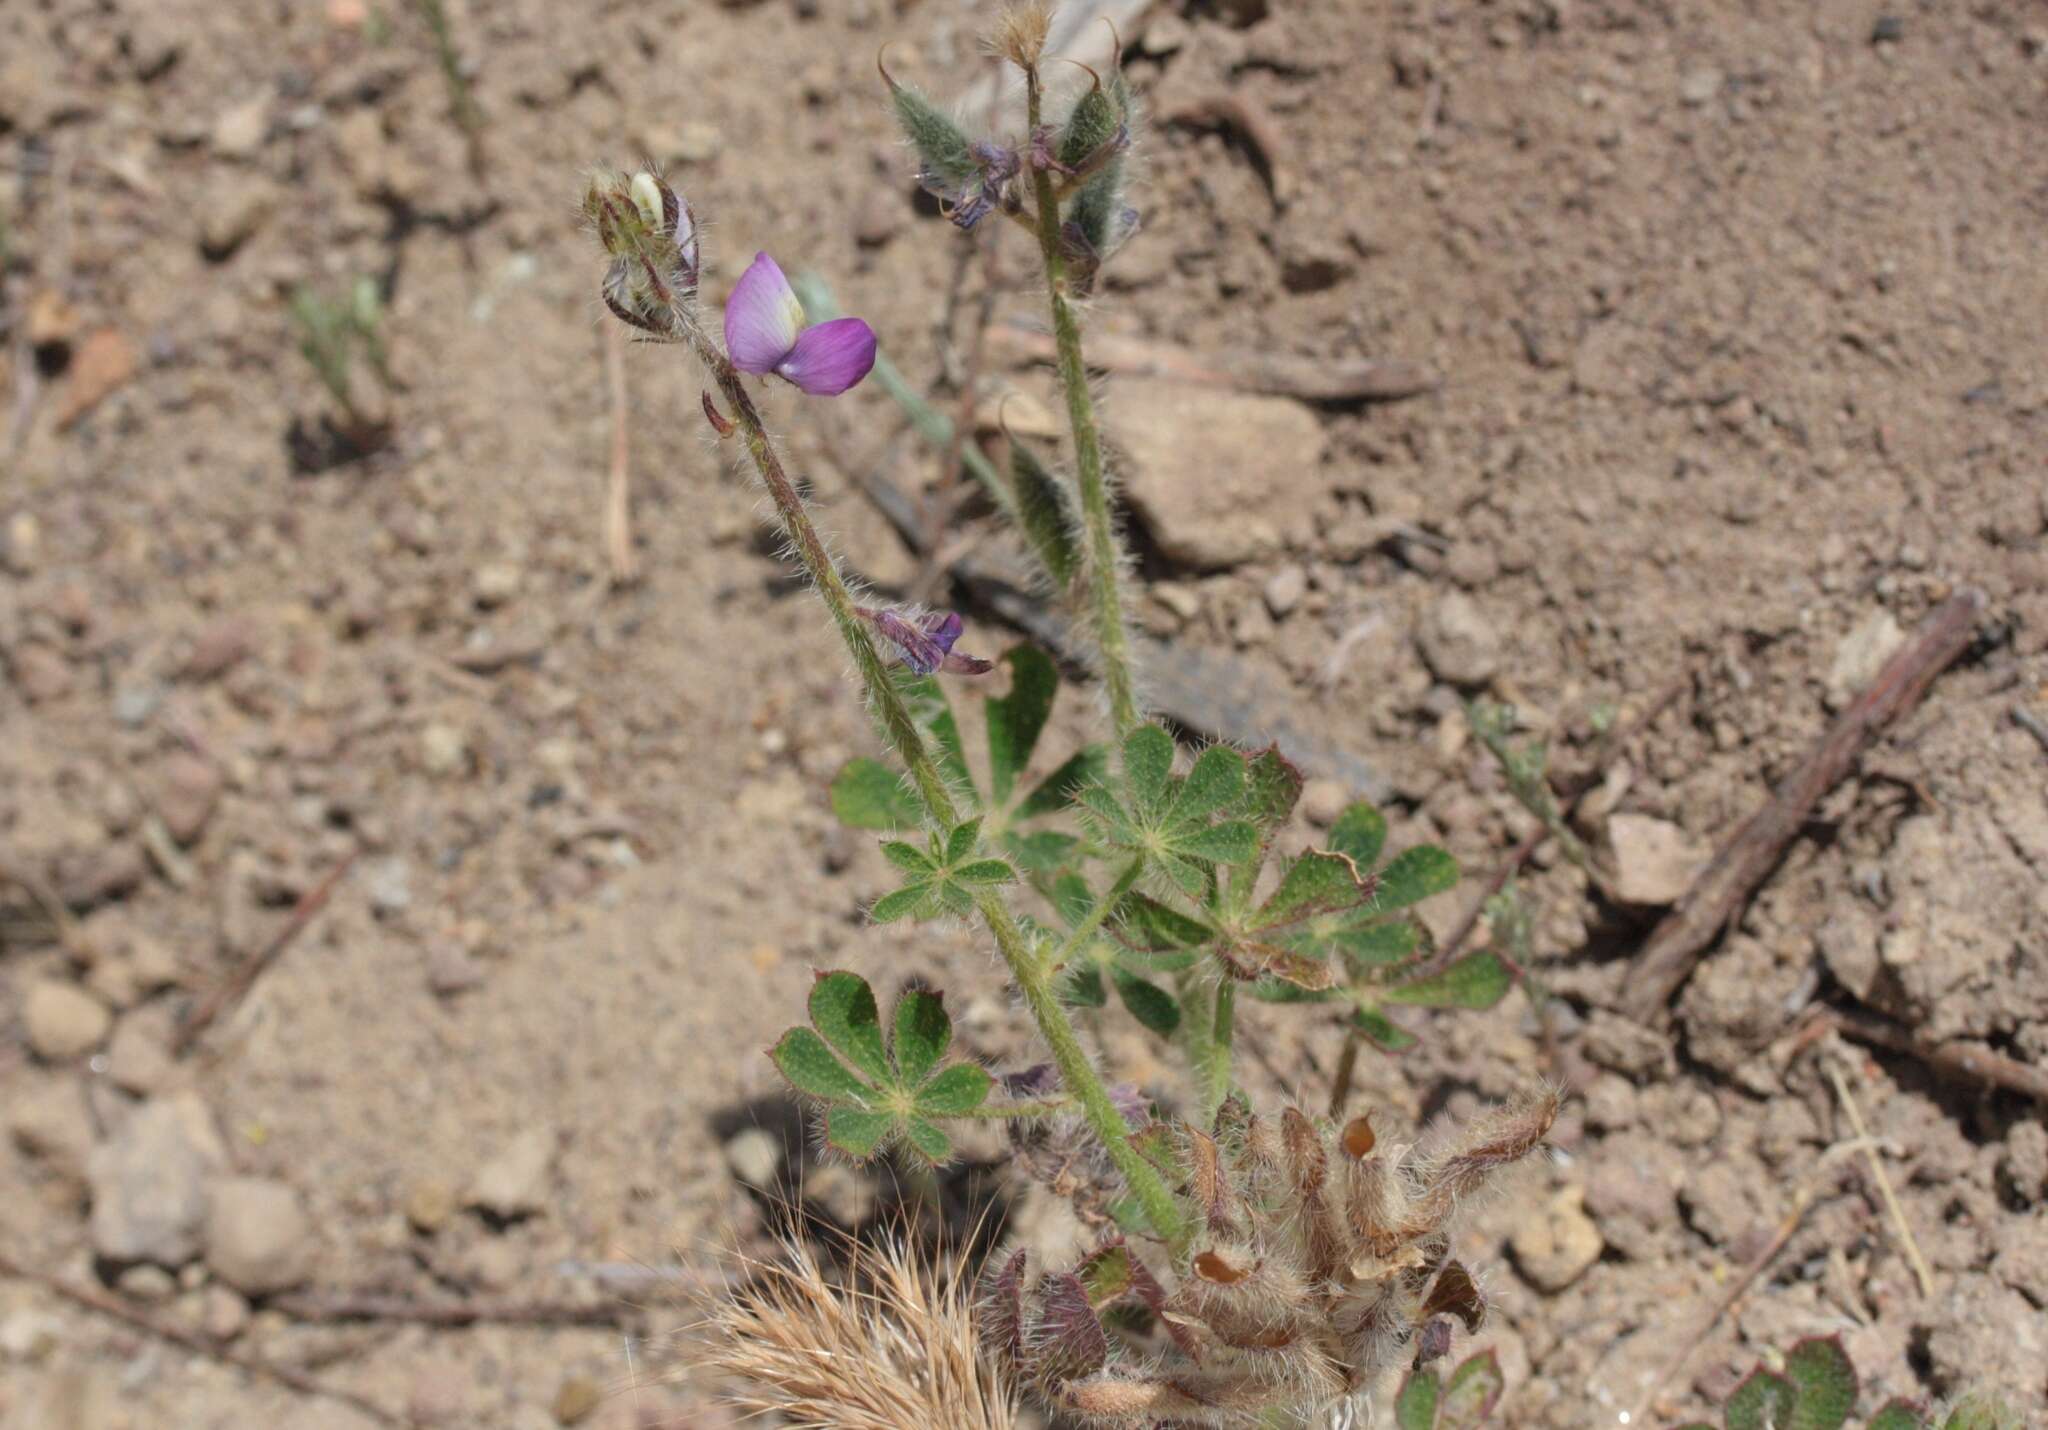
(1092, 921)
(1223, 1029)
(1077, 1072)
(1105, 564)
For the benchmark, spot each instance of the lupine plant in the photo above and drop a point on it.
(1257, 1268)
(1813, 1386)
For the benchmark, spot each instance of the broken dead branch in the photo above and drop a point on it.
(1718, 897)
(339, 1307)
(1329, 380)
(1963, 1061)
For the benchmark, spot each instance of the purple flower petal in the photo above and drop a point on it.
(762, 318)
(943, 627)
(829, 358)
(918, 650)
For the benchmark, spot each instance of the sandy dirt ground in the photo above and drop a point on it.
(1735, 317)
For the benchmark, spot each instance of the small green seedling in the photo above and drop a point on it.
(333, 334)
(1815, 1388)
(1465, 1400)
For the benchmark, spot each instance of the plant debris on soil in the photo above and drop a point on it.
(1601, 348)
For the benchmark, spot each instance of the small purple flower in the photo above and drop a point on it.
(926, 643)
(765, 332)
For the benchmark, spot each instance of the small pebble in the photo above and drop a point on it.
(430, 1205)
(577, 1400)
(444, 750)
(62, 1020)
(1323, 801)
(513, 1184)
(755, 1157)
(258, 1237)
(1284, 590)
(495, 583)
(187, 793)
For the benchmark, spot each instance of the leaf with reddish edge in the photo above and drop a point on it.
(1471, 1393)
(1067, 1342)
(842, 1008)
(1319, 882)
(1000, 1314)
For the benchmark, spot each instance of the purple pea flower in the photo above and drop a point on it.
(926, 642)
(765, 332)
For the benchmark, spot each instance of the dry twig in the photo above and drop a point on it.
(1721, 892)
(333, 1307)
(238, 983)
(1907, 1240)
(1969, 1062)
(108, 1304)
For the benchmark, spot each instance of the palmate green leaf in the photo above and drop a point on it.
(1478, 980)
(842, 1009)
(985, 871)
(1041, 851)
(1825, 1382)
(813, 1069)
(899, 903)
(1361, 832)
(1414, 875)
(1316, 883)
(1016, 720)
(1088, 767)
(1071, 897)
(1272, 787)
(1383, 1031)
(927, 1141)
(923, 1033)
(1272, 990)
(963, 841)
(1150, 1004)
(1415, 1406)
(1045, 511)
(1378, 946)
(1762, 1402)
(867, 794)
(1230, 843)
(1471, 1393)
(1143, 923)
(955, 1092)
(908, 857)
(857, 1133)
(1215, 781)
(1148, 764)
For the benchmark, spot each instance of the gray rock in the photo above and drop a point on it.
(1218, 478)
(258, 1237)
(62, 1020)
(513, 1184)
(1460, 644)
(390, 885)
(1655, 861)
(149, 1183)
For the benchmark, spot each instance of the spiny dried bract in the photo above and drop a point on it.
(1322, 1262)
(651, 235)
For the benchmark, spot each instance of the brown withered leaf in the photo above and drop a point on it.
(1456, 1294)
(1067, 1342)
(1358, 1138)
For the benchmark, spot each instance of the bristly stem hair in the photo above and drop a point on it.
(1105, 555)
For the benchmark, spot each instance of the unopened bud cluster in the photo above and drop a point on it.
(651, 235)
(1323, 1261)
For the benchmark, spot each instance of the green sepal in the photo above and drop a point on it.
(1478, 980)
(944, 151)
(1414, 875)
(867, 794)
(1471, 1394)
(842, 1009)
(812, 1068)
(1016, 720)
